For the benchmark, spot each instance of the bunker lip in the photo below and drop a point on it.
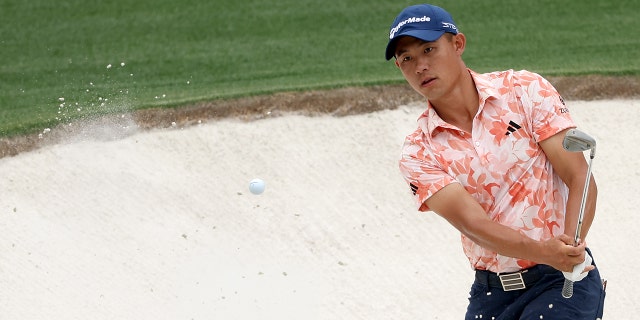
(337, 102)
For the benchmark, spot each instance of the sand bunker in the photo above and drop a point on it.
(161, 225)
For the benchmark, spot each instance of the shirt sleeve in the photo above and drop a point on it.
(422, 172)
(549, 114)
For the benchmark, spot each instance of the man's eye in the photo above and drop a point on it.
(428, 49)
(406, 58)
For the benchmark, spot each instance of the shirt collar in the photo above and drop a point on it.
(430, 120)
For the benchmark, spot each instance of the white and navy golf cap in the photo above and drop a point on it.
(424, 21)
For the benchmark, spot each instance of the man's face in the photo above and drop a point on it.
(431, 68)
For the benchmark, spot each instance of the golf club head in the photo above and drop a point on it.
(578, 141)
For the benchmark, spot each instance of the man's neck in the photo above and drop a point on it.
(460, 106)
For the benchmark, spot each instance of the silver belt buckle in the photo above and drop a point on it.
(512, 281)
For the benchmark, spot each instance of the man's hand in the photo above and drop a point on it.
(561, 254)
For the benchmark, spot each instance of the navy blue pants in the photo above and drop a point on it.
(540, 300)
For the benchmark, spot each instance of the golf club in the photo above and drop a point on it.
(578, 141)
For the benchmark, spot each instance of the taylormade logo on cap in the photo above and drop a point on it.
(395, 29)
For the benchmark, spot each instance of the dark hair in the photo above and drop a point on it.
(449, 36)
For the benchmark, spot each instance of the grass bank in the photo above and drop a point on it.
(62, 60)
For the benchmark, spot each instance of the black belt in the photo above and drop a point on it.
(513, 281)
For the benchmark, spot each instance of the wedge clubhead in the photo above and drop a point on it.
(578, 141)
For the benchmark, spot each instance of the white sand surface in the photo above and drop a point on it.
(161, 225)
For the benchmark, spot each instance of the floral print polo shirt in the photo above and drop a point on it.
(500, 163)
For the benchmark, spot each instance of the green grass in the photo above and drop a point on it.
(180, 52)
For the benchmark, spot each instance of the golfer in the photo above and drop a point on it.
(487, 156)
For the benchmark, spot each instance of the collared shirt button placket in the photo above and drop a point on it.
(480, 153)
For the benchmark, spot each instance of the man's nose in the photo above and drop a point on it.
(422, 65)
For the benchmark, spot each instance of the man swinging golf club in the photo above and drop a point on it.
(488, 156)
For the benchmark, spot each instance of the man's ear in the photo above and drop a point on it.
(460, 42)
(397, 63)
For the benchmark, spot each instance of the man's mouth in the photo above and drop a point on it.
(427, 81)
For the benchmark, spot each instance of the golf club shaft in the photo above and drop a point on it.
(583, 203)
(567, 289)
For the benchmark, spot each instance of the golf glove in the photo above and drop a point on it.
(577, 273)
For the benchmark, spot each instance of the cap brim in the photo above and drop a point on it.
(424, 35)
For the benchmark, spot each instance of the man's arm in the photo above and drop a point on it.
(462, 211)
(571, 167)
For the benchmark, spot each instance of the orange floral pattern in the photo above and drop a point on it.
(499, 163)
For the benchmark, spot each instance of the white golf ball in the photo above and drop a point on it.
(256, 186)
